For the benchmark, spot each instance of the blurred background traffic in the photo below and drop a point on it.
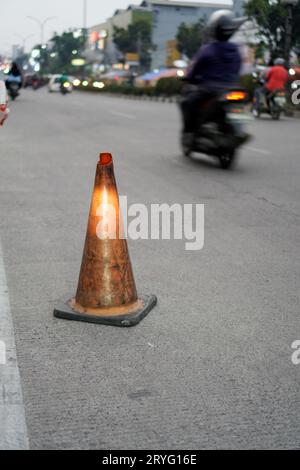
(146, 47)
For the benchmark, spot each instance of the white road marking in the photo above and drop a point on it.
(125, 115)
(258, 150)
(13, 432)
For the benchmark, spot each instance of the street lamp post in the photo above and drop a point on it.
(289, 4)
(41, 24)
(24, 39)
(84, 14)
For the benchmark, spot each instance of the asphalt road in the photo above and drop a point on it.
(211, 366)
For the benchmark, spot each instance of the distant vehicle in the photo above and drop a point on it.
(274, 104)
(28, 80)
(34, 80)
(55, 85)
(13, 89)
(65, 88)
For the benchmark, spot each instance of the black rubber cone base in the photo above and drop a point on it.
(148, 302)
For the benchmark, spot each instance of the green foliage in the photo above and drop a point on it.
(168, 86)
(137, 38)
(248, 83)
(270, 16)
(190, 38)
(63, 45)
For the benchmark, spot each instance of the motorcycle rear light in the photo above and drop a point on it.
(3, 108)
(236, 96)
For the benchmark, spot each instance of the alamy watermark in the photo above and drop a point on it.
(154, 222)
(296, 93)
(296, 354)
(2, 353)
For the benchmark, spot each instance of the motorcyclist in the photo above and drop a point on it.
(64, 78)
(14, 76)
(277, 77)
(215, 67)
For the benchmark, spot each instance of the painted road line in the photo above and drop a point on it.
(125, 115)
(258, 150)
(13, 432)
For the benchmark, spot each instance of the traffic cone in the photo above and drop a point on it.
(106, 290)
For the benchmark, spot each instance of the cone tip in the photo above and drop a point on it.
(105, 158)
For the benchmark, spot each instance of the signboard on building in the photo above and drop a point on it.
(172, 52)
(132, 57)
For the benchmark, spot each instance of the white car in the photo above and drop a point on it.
(55, 83)
(3, 103)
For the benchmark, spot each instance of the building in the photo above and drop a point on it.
(238, 7)
(101, 35)
(165, 17)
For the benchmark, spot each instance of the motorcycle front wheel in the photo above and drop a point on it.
(256, 112)
(227, 159)
(186, 146)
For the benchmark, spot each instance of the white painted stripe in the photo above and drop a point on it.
(258, 150)
(13, 432)
(125, 115)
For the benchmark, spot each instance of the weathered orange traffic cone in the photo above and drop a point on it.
(106, 290)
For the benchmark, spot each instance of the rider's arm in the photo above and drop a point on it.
(197, 64)
(269, 75)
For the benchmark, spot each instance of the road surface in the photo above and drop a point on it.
(211, 366)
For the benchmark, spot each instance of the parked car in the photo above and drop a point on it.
(55, 84)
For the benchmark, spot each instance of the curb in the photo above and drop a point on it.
(157, 99)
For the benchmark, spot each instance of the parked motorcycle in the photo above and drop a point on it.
(222, 132)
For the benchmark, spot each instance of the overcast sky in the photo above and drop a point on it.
(69, 14)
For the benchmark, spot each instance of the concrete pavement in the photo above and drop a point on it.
(211, 366)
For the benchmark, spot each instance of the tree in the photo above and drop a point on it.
(270, 17)
(137, 38)
(62, 50)
(190, 38)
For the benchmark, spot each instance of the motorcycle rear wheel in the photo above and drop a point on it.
(275, 112)
(275, 115)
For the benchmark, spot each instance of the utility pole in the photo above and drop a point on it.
(24, 39)
(84, 14)
(289, 4)
(139, 50)
(288, 32)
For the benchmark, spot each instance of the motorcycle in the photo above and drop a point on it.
(274, 103)
(36, 83)
(222, 132)
(65, 88)
(13, 90)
